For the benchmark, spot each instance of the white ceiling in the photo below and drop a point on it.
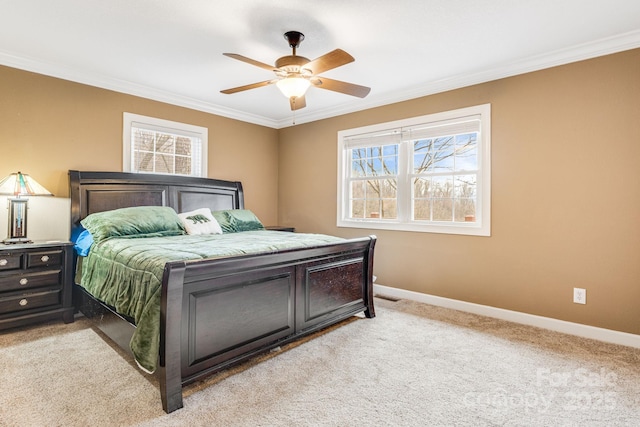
(171, 50)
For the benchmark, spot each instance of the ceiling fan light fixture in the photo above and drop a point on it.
(293, 86)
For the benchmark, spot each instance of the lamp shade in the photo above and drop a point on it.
(293, 86)
(20, 184)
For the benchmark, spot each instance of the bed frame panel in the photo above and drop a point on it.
(218, 312)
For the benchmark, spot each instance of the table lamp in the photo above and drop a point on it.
(19, 184)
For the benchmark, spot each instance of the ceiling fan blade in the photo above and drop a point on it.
(329, 61)
(247, 87)
(297, 102)
(251, 61)
(342, 87)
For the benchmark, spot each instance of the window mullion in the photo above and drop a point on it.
(404, 182)
(173, 158)
(155, 151)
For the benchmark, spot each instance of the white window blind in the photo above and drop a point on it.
(459, 126)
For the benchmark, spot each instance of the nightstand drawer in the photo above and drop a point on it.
(10, 261)
(30, 280)
(29, 301)
(44, 259)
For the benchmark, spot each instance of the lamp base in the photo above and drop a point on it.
(16, 240)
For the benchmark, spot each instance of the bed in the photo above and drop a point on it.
(218, 311)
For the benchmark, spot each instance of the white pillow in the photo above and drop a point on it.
(200, 221)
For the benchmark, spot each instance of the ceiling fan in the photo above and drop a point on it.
(294, 74)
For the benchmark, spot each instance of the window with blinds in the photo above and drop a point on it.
(154, 145)
(429, 173)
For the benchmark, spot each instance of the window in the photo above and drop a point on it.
(429, 174)
(162, 146)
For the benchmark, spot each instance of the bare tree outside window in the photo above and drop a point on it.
(443, 174)
(444, 178)
(159, 152)
(375, 196)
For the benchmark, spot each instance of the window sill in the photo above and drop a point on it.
(468, 229)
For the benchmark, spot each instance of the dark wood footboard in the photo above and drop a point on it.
(216, 313)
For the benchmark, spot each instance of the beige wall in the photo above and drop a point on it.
(48, 126)
(566, 186)
(565, 195)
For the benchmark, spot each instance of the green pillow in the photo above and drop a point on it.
(140, 221)
(236, 220)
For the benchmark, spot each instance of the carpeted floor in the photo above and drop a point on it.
(413, 365)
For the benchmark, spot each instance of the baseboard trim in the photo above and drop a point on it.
(585, 331)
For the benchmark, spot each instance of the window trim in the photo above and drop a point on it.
(482, 225)
(155, 123)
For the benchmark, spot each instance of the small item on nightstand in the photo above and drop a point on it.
(19, 184)
(280, 228)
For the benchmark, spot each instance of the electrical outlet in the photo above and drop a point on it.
(579, 296)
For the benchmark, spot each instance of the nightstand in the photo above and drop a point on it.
(280, 228)
(35, 283)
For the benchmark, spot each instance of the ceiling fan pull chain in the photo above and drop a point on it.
(293, 122)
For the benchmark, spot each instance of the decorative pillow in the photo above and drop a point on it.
(140, 221)
(200, 221)
(236, 220)
(83, 243)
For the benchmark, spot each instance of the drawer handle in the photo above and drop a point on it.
(23, 302)
(44, 258)
(3, 262)
(24, 281)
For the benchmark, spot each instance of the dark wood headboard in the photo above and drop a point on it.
(101, 191)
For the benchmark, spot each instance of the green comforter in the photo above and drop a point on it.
(126, 273)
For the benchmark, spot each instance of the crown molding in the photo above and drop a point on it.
(605, 46)
(601, 47)
(129, 88)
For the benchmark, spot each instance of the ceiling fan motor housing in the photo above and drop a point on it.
(291, 63)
